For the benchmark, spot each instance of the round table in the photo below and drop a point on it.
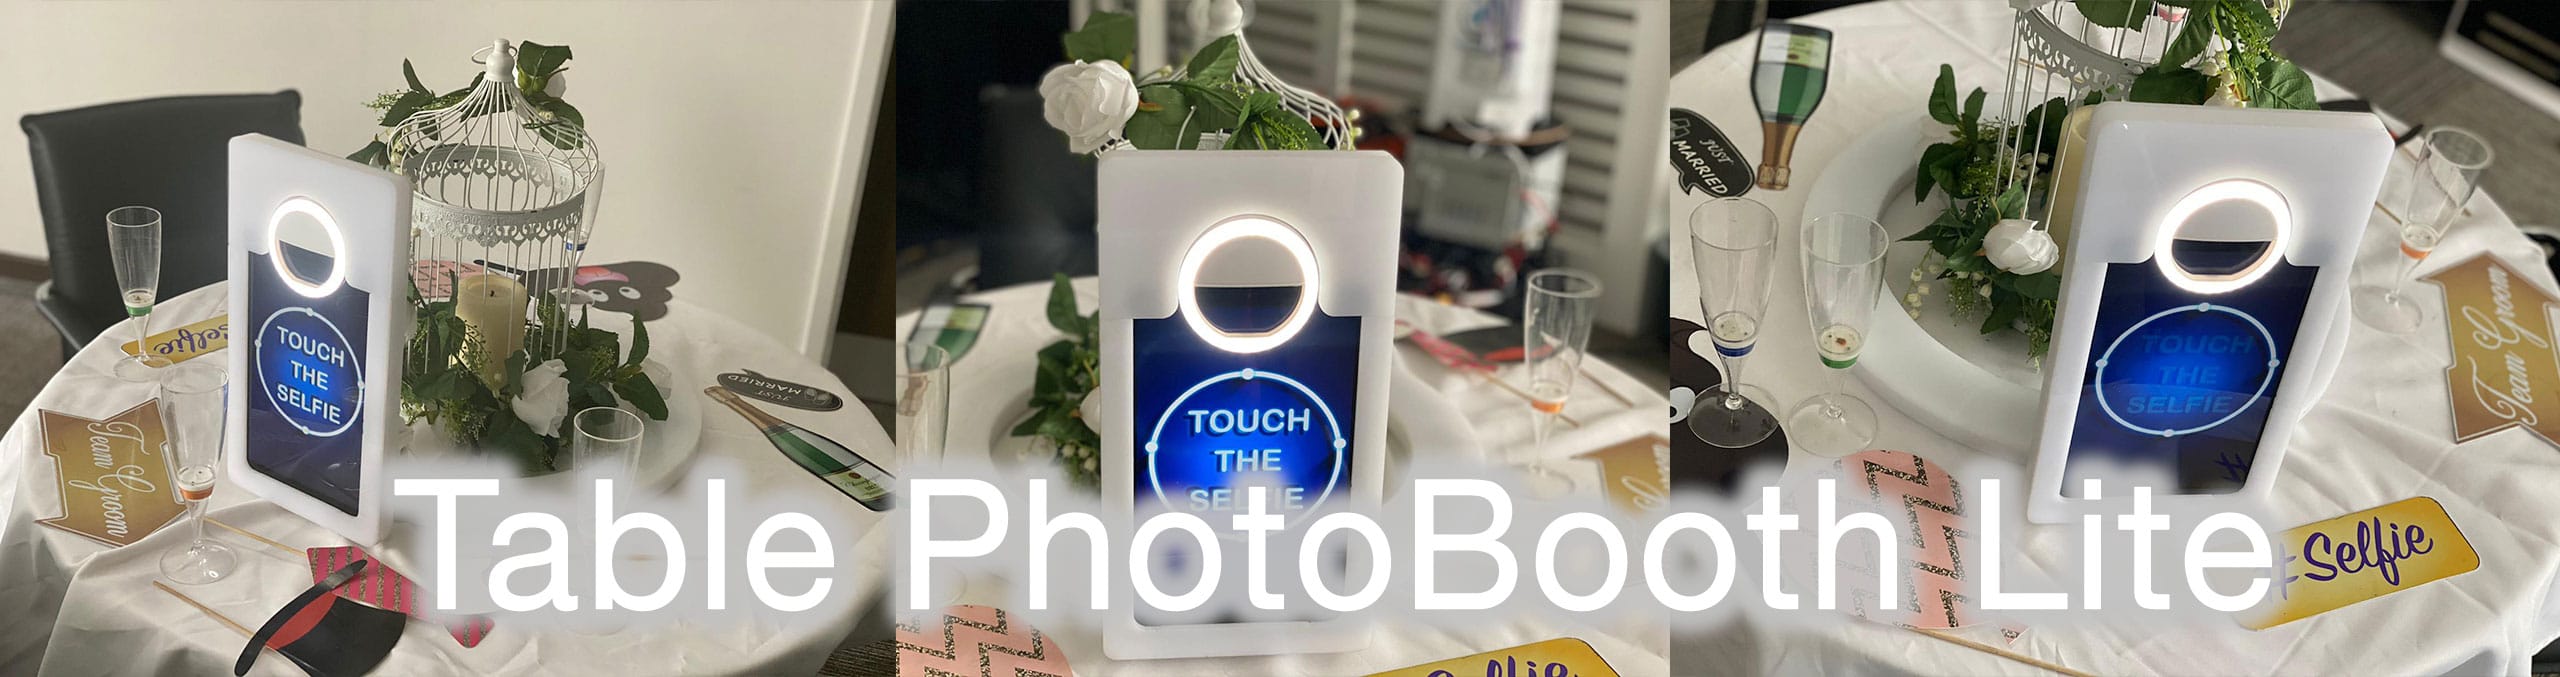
(80, 607)
(989, 382)
(2354, 450)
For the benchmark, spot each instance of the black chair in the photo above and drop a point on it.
(1037, 198)
(169, 154)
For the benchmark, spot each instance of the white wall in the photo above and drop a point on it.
(733, 133)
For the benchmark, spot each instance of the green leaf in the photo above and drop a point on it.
(2283, 85)
(2012, 203)
(1265, 125)
(1942, 96)
(1971, 118)
(1213, 107)
(639, 343)
(2193, 36)
(371, 154)
(540, 60)
(1106, 36)
(2043, 286)
(2115, 13)
(409, 104)
(644, 396)
(2171, 84)
(1216, 61)
(1167, 125)
(2001, 315)
(1031, 426)
(1930, 158)
(1062, 305)
(411, 73)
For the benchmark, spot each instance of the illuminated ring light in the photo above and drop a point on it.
(337, 247)
(1333, 428)
(2226, 190)
(1230, 230)
(2263, 381)
(354, 364)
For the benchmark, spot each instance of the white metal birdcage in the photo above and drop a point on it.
(2057, 52)
(500, 187)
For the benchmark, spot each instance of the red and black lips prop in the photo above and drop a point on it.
(325, 634)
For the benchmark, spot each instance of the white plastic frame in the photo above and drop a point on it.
(1156, 210)
(366, 212)
(2149, 167)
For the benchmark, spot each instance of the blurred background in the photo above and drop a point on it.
(735, 137)
(1562, 175)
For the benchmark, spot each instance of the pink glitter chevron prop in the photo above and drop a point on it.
(382, 587)
(977, 641)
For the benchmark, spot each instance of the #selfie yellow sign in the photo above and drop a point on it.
(2363, 555)
(1560, 657)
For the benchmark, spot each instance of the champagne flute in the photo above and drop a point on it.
(191, 420)
(1732, 242)
(133, 237)
(1555, 329)
(924, 423)
(1843, 276)
(2448, 169)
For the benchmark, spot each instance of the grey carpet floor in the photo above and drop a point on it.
(2386, 52)
(29, 350)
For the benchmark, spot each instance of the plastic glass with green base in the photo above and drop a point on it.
(1843, 276)
(133, 237)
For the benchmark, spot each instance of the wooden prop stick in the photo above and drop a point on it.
(253, 536)
(1944, 636)
(217, 615)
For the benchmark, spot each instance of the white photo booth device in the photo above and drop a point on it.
(319, 257)
(1247, 325)
(2204, 301)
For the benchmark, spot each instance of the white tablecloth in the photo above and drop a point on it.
(990, 381)
(2355, 450)
(77, 607)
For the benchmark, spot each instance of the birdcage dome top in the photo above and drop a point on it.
(493, 169)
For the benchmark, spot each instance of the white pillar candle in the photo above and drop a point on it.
(492, 305)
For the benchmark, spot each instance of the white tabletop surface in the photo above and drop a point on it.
(990, 379)
(79, 607)
(2356, 450)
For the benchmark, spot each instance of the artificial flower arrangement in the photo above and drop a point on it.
(1099, 105)
(517, 403)
(521, 409)
(1096, 101)
(1997, 262)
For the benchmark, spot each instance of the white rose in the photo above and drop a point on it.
(1091, 409)
(1089, 101)
(2226, 92)
(2018, 246)
(544, 400)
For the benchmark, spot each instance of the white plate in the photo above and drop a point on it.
(1912, 364)
(665, 445)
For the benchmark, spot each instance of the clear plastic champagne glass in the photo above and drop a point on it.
(133, 238)
(2450, 161)
(605, 435)
(1843, 278)
(1555, 331)
(924, 426)
(1732, 243)
(191, 419)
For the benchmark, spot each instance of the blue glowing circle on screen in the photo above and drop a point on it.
(1241, 382)
(309, 371)
(2186, 370)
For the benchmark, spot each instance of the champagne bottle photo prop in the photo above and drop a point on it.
(1787, 83)
(840, 466)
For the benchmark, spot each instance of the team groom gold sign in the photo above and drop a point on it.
(2504, 372)
(112, 477)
